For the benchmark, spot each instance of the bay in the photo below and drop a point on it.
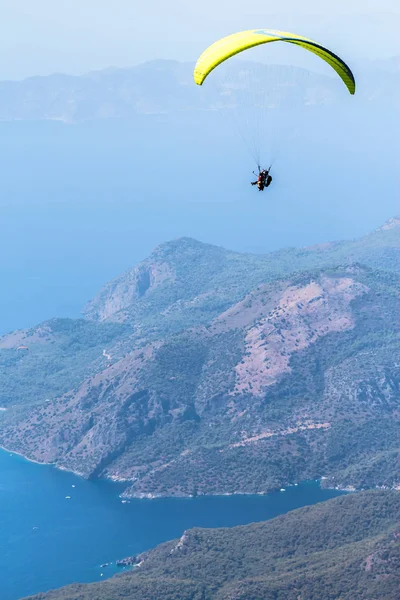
(56, 528)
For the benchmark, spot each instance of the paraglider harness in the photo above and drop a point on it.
(264, 179)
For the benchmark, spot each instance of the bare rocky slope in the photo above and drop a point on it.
(204, 371)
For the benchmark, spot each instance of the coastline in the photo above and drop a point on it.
(151, 496)
(31, 460)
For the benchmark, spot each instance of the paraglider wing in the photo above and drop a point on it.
(223, 49)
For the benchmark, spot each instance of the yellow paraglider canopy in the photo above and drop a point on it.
(223, 49)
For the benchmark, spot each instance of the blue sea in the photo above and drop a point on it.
(56, 528)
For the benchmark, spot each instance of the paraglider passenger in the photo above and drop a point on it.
(264, 180)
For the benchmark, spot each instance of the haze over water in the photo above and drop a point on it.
(80, 204)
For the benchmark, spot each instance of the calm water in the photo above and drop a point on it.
(48, 540)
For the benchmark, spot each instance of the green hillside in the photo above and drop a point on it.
(343, 549)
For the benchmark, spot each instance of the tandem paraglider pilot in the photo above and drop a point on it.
(264, 179)
(226, 48)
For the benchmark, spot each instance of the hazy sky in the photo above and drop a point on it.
(74, 36)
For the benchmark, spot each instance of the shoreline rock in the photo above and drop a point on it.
(130, 561)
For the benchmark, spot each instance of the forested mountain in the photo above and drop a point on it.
(205, 371)
(347, 549)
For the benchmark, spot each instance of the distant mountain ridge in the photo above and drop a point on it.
(216, 267)
(391, 65)
(163, 86)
